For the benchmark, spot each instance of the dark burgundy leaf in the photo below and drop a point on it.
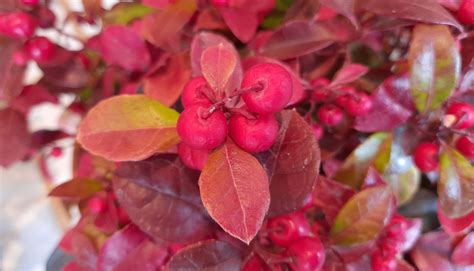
(31, 96)
(76, 189)
(11, 75)
(242, 22)
(209, 255)
(393, 101)
(161, 197)
(464, 251)
(348, 74)
(14, 137)
(292, 164)
(145, 257)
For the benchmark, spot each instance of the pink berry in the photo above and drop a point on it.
(307, 254)
(193, 92)
(330, 115)
(40, 49)
(318, 131)
(276, 92)
(285, 229)
(464, 114)
(46, 17)
(320, 93)
(426, 157)
(220, 3)
(29, 2)
(253, 135)
(358, 104)
(56, 152)
(18, 25)
(466, 12)
(97, 205)
(200, 129)
(465, 146)
(382, 262)
(255, 263)
(193, 158)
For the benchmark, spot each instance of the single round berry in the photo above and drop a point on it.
(465, 146)
(192, 158)
(358, 104)
(466, 12)
(40, 49)
(285, 229)
(97, 205)
(46, 17)
(18, 25)
(320, 93)
(253, 135)
(464, 114)
(277, 88)
(200, 129)
(426, 157)
(381, 262)
(193, 92)
(344, 94)
(307, 254)
(56, 152)
(330, 115)
(29, 2)
(318, 131)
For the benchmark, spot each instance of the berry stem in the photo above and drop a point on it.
(237, 92)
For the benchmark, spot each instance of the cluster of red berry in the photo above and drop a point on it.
(459, 117)
(107, 203)
(333, 102)
(22, 25)
(206, 120)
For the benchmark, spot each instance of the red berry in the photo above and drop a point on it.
(465, 146)
(200, 129)
(46, 17)
(97, 205)
(466, 12)
(330, 115)
(426, 157)
(29, 2)
(192, 92)
(193, 158)
(464, 114)
(319, 93)
(307, 254)
(255, 263)
(18, 25)
(276, 92)
(318, 131)
(358, 104)
(285, 229)
(40, 49)
(253, 135)
(220, 3)
(380, 262)
(56, 152)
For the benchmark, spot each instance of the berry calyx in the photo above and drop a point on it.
(466, 12)
(463, 113)
(426, 157)
(330, 115)
(17, 25)
(193, 158)
(200, 129)
(253, 135)
(40, 49)
(465, 146)
(285, 229)
(193, 92)
(307, 254)
(276, 84)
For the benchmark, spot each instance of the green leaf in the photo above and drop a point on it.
(456, 184)
(124, 13)
(79, 188)
(435, 64)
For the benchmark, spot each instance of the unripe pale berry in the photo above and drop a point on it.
(426, 157)
(40, 49)
(18, 25)
(466, 12)
(253, 135)
(193, 158)
(285, 229)
(464, 114)
(200, 129)
(466, 146)
(330, 115)
(307, 254)
(192, 92)
(276, 92)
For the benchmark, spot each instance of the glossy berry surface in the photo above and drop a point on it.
(330, 115)
(97, 205)
(192, 158)
(426, 157)
(466, 147)
(307, 254)
(466, 12)
(381, 262)
(464, 114)
(200, 129)
(40, 49)
(193, 92)
(18, 25)
(318, 131)
(46, 17)
(285, 229)
(356, 104)
(319, 92)
(255, 263)
(253, 135)
(276, 92)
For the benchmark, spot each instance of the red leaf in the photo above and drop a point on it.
(14, 137)
(234, 190)
(348, 74)
(11, 75)
(76, 189)
(412, 233)
(209, 255)
(242, 22)
(344, 7)
(427, 11)
(76, 243)
(218, 65)
(392, 99)
(168, 82)
(432, 252)
(455, 225)
(292, 164)
(146, 257)
(462, 254)
(161, 197)
(31, 96)
(372, 178)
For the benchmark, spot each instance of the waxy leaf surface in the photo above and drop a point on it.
(11, 75)
(349, 73)
(218, 64)
(79, 188)
(242, 22)
(344, 7)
